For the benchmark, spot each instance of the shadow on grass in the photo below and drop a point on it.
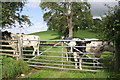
(58, 36)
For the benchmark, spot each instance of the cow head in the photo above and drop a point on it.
(108, 46)
(6, 35)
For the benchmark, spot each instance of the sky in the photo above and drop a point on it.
(35, 14)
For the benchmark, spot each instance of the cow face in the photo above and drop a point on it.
(108, 46)
(6, 35)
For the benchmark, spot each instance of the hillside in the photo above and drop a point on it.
(85, 34)
(49, 35)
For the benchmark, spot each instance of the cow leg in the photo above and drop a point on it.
(34, 51)
(71, 50)
(80, 63)
(38, 49)
(93, 60)
(14, 53)
(75, 59)
(67, 54)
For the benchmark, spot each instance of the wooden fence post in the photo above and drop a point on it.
(20, 47)
(16, 52)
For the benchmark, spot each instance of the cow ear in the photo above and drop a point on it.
(9, 32)
(6, 31)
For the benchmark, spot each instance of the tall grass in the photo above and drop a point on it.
(12, 68)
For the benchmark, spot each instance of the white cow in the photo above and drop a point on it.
(26, 40)
(98, 47)
(94, 47)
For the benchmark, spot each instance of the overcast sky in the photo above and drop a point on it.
(33, 10)
(99, 9)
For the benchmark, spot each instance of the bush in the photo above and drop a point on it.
(12, 68)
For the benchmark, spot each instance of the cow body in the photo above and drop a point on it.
(96, 47)
(25, 40)
(77, 51)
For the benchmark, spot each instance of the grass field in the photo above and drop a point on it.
(52, 35)
(84, 34)
(47, 35)
(52, 73)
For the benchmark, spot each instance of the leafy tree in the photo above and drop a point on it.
(97, 23)
(66, 17)
(10, 13)
(110, 30)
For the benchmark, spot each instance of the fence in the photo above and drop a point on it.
(11, 48)
(53, 54)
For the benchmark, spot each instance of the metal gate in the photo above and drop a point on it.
(53, 54)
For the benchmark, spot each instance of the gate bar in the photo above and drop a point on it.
(64, 68)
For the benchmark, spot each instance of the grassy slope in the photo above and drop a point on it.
(51, 73)
(49, 35)
(85, 34)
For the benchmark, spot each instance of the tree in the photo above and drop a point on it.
(11, 14)
(97, 23)
(66, 17)
(110, 30)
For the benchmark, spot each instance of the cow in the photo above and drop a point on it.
(75, 42)
(6, 36)
(98, 47)
(25, 40)
(92, 46)
(77, 51)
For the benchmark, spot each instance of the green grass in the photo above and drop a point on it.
(85, 34)
(12, 68)
(47, 35)
(52, 35)
(53, 73)
(1, 57)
